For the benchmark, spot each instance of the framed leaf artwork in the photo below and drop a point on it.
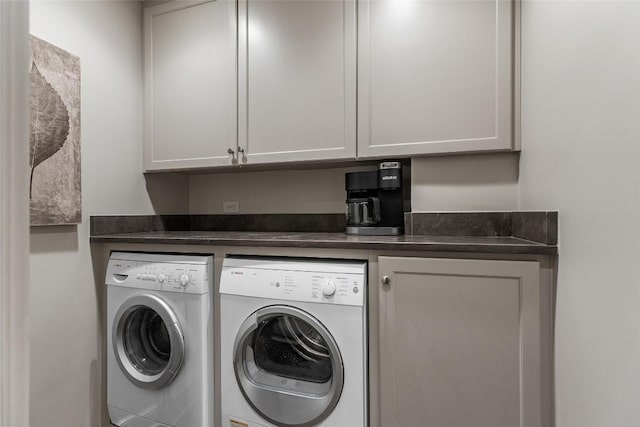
(54, 161)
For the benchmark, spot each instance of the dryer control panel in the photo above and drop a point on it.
(160, 272)
(328, 282)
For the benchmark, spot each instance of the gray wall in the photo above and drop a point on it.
(281, 191)
(479, 182)
(452, 183)
(581, 156)
(64, 296)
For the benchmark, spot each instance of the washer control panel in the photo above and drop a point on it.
(174, 273)
(329, 282)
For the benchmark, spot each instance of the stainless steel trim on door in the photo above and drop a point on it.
(176, 337)
(287, 408)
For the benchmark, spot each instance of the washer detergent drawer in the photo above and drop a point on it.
(122, 418)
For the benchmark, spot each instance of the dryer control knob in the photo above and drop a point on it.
(184, 280)
(329, 288)
(161, 278)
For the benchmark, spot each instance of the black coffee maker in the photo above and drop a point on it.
(374, 201)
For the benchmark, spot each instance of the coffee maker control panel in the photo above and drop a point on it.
(390, 175)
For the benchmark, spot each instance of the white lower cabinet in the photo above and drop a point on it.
(459, 343)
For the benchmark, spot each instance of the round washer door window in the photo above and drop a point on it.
(288, 366)
(148, 341)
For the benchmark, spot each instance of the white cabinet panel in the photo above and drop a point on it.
(190, 84)
(459, 343)
(434, 76)
(275, 80)
(297, 86)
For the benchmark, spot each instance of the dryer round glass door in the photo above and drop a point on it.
(148, 341)
(288, 366)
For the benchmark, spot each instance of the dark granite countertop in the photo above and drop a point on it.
(533, 233)
(478, 244)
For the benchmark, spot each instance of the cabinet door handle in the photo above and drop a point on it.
(386, 280)
(233, 156)
(241, 152)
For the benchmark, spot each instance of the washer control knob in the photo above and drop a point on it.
(161, 278)
(184, 280)
(329, 288)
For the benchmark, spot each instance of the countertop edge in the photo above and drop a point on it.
(517, 245)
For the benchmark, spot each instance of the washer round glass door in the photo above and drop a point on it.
(147, 341)
(288, 366)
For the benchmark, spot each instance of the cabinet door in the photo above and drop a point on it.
(297, 90)
(190, 84)
(434, 76)
(459, 343)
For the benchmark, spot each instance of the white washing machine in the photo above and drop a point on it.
(294, 343)
(160, 340)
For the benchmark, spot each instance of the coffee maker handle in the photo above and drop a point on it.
(375, 202)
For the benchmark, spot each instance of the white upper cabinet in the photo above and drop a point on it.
(190, 84)
(297, 80)
(434, 76)
(276, 81)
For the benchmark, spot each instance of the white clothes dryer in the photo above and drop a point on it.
(294, 343)
(160, 340)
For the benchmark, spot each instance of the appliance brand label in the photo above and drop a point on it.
(389, 177)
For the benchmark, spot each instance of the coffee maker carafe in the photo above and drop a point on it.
(363, 204)
(374, 201)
